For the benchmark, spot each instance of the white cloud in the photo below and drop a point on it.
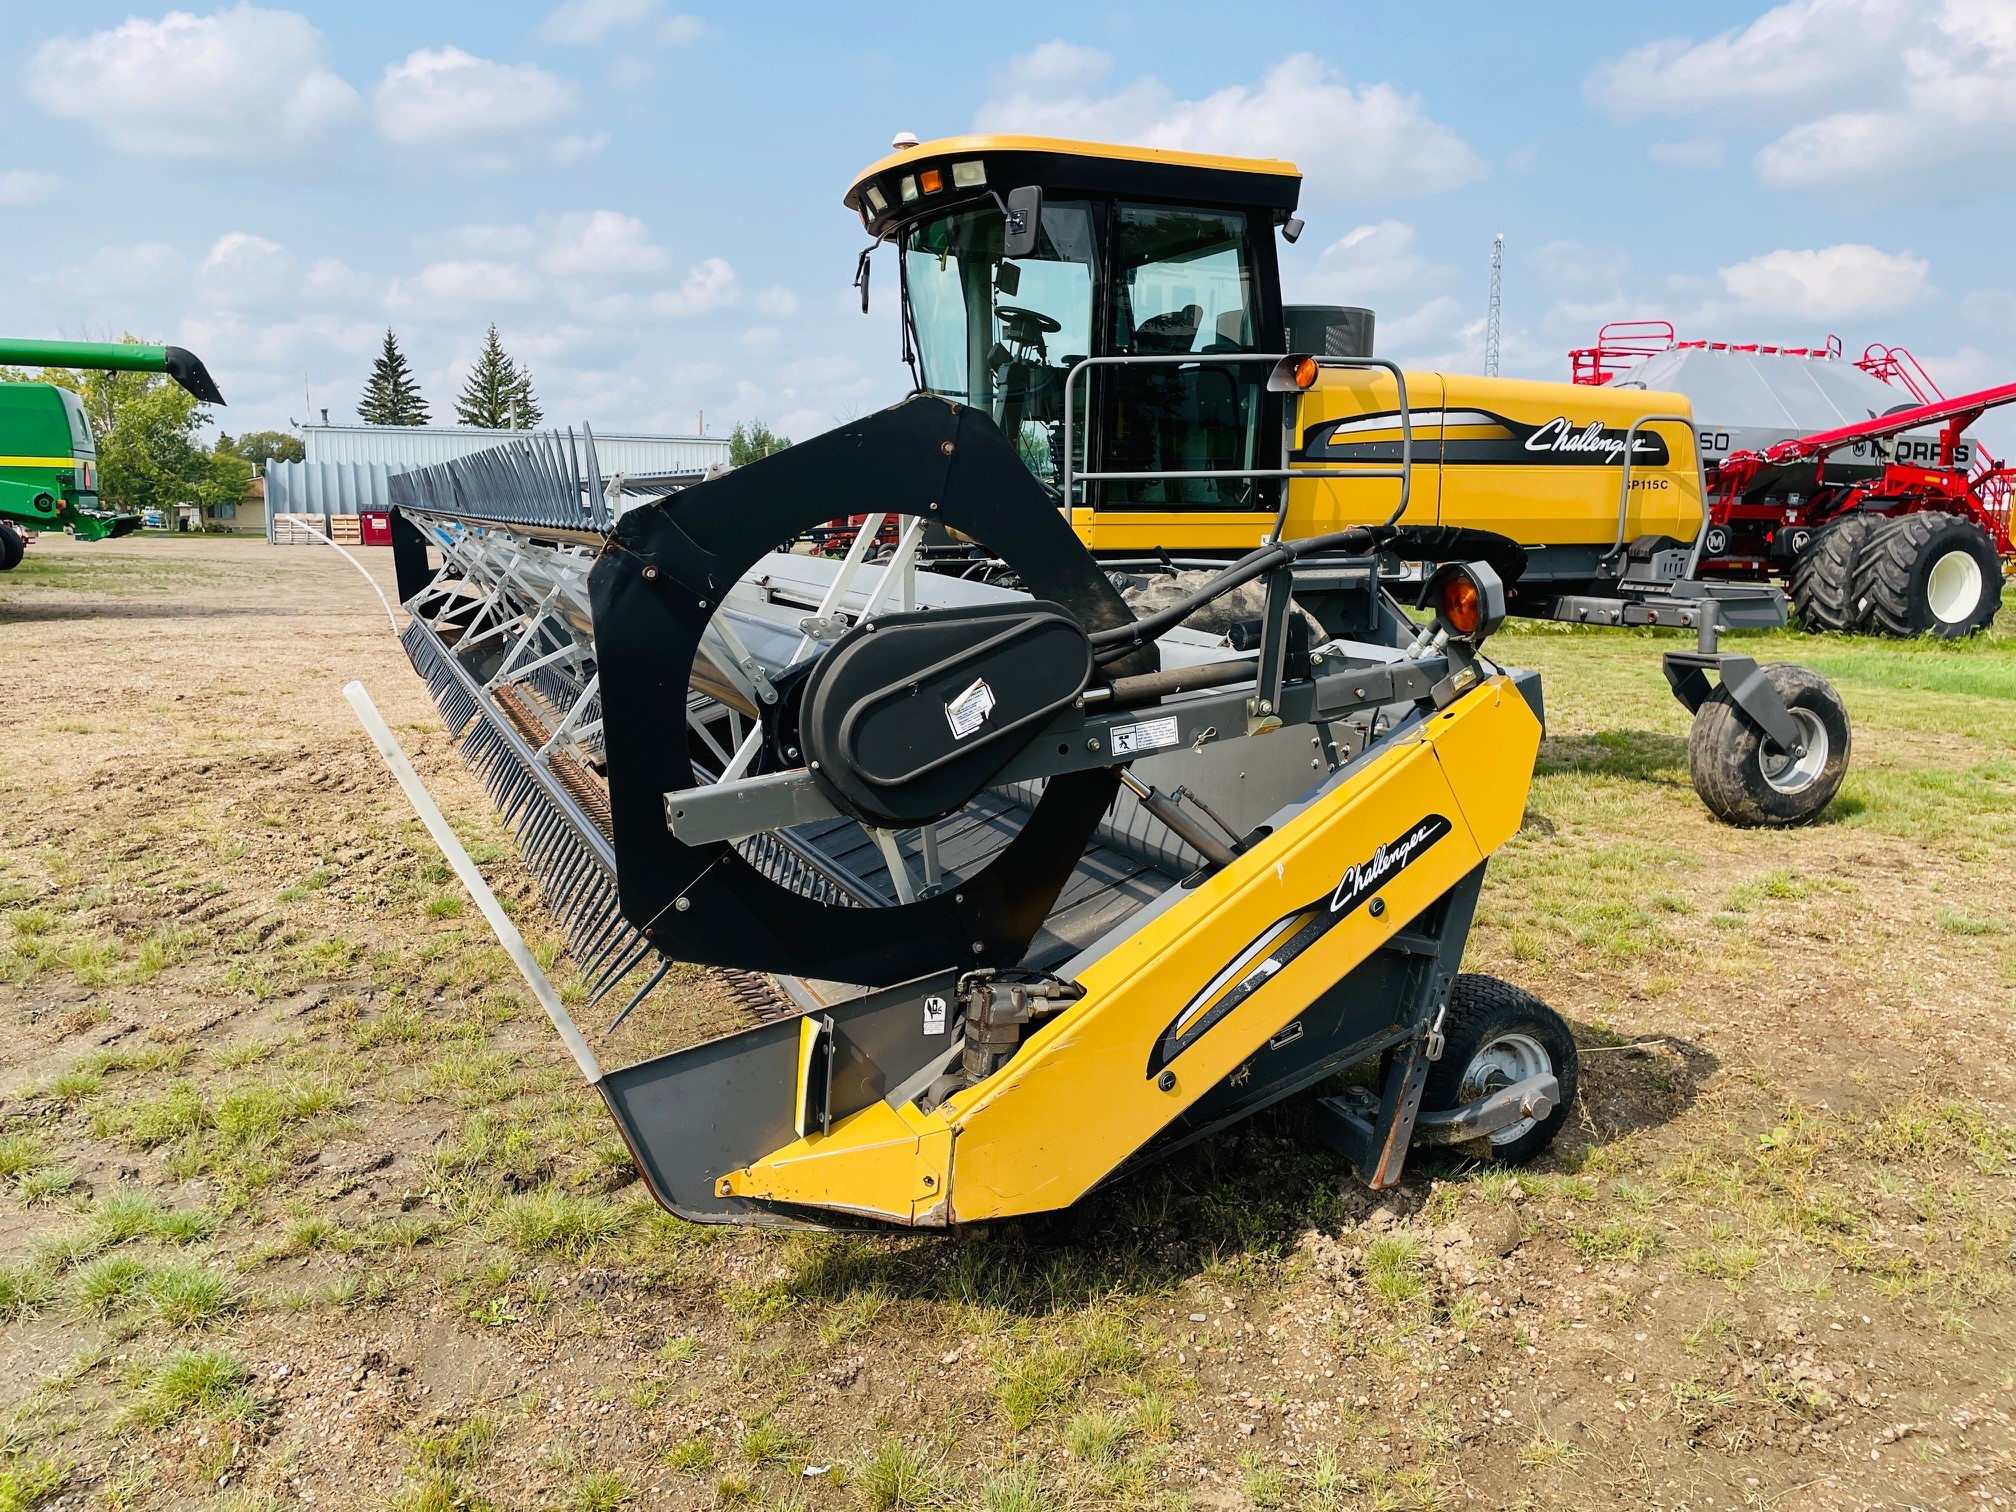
(495, 241)
(591, 23)
(1368, 260)
(761, 336)
(24, 186)
(445, 97)
(245, 84)
(1952, 105)
(1366, 140)
(1932, 85)
(330, 282)
(708, 287)
(464, 283)
(1829, 283)
(777, 301)
(111, 272)
(1701, 152)
(243, 269)
(1793, 54)
(602, 242)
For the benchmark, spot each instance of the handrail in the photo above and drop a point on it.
(1631, 450)
(1404, 472)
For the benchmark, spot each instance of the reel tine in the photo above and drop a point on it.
(642, 993)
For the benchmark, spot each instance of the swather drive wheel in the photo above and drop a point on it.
(1930, 573)
(1824, 578)
(12, 547)
(1495, 1034)
(1747, 780)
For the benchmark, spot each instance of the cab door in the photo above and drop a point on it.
(1188, 294)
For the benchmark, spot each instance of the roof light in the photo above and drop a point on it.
(969, 175)
(931, 180)
(908, 188)
(876, 201)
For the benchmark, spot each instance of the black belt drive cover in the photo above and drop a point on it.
(910, 715)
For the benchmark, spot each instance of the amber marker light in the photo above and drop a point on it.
(930, 181)
(1306, 371)
(1461, 604)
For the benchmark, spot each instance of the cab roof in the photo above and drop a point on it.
(1061, 167)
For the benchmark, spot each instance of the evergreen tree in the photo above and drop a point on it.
(498, 394)
(391, 396)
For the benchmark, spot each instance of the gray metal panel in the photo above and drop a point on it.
(1758, 398)
(405, 446)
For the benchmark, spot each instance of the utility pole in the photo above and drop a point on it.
(1491, 317)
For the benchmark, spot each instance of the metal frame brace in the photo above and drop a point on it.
(1752, 691)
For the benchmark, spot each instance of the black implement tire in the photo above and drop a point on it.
(1825, 577)
(1493, 1035)
(1744, 779)
(13, 547)
(1930, 573)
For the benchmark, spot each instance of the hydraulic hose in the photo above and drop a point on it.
(1428, 543)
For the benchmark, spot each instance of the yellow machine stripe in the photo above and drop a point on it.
(38, 461)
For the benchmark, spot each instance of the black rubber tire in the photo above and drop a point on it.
(1481, 1009)
(1726, 753)
(1825, 576)
(1896, 573)
(13, 547)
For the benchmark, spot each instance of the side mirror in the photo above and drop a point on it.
(1024, 220)
(861, 271)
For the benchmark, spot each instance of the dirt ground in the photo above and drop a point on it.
(304, 1205)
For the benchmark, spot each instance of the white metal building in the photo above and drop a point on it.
(399, 447)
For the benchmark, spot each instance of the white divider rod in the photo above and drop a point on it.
(486, 900)
(300, 523)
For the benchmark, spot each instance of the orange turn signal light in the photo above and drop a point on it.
(1306, 371)
(930, 181)
(1461, 604)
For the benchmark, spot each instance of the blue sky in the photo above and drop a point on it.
(646, 199)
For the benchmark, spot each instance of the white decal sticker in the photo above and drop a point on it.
(934, 1015)
(1149, 735)
(970, 709)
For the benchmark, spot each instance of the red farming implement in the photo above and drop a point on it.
(1854, 481)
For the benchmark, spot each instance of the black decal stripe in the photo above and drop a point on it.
(1263, 958)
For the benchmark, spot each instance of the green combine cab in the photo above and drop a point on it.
(48, 456)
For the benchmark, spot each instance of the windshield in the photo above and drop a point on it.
(1002, 333)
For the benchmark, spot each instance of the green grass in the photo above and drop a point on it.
(557, 1222)
(209, 1380)
(24, 1289)
(896, 1478)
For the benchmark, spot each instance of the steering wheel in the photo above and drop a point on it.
(1035, 319)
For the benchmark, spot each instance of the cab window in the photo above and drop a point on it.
(80, 426)
(1183, 286)
(1002, 332)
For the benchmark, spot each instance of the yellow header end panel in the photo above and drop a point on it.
(1178, 1007)
(1203, 985)
(1543, 462)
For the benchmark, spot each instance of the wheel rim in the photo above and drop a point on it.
(1498, 1063)
(1794, 774)
(1953, 587)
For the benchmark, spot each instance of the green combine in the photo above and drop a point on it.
(48, 456)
